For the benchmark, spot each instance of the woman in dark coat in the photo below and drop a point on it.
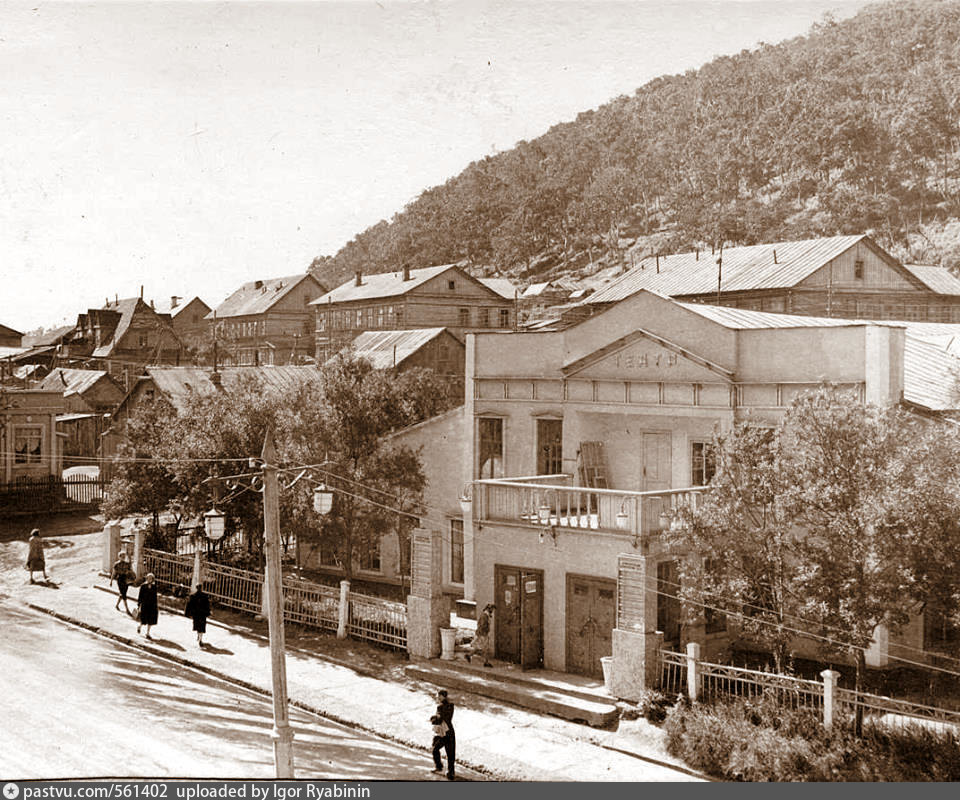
(147, 610)
(35, 560)
(198, 608)
(122, 573)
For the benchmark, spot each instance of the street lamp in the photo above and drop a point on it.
(322, 499)
(214, 524)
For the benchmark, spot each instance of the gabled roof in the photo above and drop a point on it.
(536, 289)
(164, 307)
(73, 381)
(502, 286)
(743, 269)
(8, 331)
(257, 297)
(382, 285)
(125, 308)
(937, 279)
(386, 349)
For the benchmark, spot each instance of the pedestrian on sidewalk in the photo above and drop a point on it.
(35, 560)
(481, 639)
(198, 609)
(445, 713)
(147, 609)
(123, 574)
(439, 738)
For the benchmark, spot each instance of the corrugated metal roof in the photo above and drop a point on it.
(72, 381)
(743, 268)
(741, 318)
(503, 287)
(930, 375)
(936, 279)
(253, 299)
(48, 337)
(165, 308)
(386, 349)
(179, 382)
(382, 284)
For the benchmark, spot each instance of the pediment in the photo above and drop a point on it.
(642, 356)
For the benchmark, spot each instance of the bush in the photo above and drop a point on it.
(653, 705)
(758, 740)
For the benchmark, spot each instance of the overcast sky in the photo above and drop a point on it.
(189, 147)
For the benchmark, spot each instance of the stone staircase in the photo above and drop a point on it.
(559, 694)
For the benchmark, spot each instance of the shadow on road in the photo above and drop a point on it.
(166, 643)
(49, 584)
(217, 651)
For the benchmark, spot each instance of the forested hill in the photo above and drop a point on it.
(852, 128)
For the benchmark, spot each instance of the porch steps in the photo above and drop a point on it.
(555, 693)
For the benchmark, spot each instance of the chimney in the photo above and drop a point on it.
(141, 291)
(258, 284)
(174, 301)
(152, 308)
(774, 256)
(406, 272)
(359, 279)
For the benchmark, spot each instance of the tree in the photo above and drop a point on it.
(370, 476)
(744, 543)
(842, 518)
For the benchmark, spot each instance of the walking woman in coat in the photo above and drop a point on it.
(147, 610)
(35, 560)
(198, 609)
(122, 573)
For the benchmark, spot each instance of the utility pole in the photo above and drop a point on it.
(273, 588)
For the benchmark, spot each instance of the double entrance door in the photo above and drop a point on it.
(591, 616)
(519, 615)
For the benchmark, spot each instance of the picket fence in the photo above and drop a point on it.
(383, 622)
(685, 673)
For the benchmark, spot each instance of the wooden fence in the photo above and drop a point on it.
(51, 493)
(383, 622)
(685, 673)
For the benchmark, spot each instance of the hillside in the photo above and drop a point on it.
(852, 128)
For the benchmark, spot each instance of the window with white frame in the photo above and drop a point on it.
(703, 463)
(491, 447)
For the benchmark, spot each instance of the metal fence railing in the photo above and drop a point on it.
(372, 618)
(377, 620)
(888, 711)
(673, 672)
(685, 673)
(720, 680)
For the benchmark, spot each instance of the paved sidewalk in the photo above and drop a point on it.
(501, 741)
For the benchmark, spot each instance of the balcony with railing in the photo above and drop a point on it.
(553, 501)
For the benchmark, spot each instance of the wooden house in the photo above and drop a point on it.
(444, 296)
(849, 277)
(267, 322)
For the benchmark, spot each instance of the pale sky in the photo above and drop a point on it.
(190, 147)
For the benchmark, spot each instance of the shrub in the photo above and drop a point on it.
(758, 740)
(653, 705)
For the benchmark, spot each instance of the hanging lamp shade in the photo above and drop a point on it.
(214, 524)
(322, 499)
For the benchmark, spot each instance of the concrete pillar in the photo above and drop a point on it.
(693, 671)
(636, 640)
(111, 545)
(343, 621)
(427, 610)
(139, 537)
(830, 678)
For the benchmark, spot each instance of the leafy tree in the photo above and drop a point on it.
(842, 518)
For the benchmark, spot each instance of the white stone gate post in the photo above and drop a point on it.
(427, 611)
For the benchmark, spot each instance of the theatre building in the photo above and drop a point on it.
(578, 443)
